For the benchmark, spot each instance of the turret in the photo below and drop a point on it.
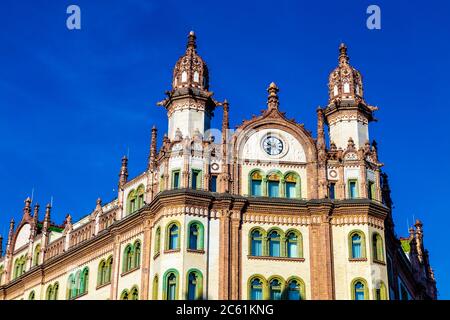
(123, 175)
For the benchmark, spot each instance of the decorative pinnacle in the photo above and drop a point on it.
(272, 100)
(191, 40)
(343, 57)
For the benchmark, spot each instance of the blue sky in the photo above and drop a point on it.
(73, 102)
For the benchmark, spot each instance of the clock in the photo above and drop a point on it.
(272, 145)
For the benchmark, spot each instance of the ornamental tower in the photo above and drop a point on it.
(189, 104)
(347, 114)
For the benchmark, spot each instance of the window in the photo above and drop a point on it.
(256, 180)
(294, 290)
(37, 253)
(173, 238)
(335, 90)
(171, 285)
(195, 241)
(293, 245)
(346, 87)
(274, 244)
(84, 281)
(275, 289)
(291, 183)
(176, 179)
(377, 247)
(137, 254)
(184, 76)
(359, 291)
(196, 76)
(352, 191)
(256, 243)
(213, 183)
(101, 273)
(371, 190)
(107, 277)
(273, 185)
(380, 291)
(331, 191)
(32, 296)
(194, 285)
(71, 287)
(256, 289)
(157, 240)
(127, 258)
(134, 293)
(356, 246)
(155, 288)
(124, 295)
(140, 196)
(196, 179)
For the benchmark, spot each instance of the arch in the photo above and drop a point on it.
(293, 243)
(256, 243)
(134, 293)
(155, 287)
(292, 185)
(276, 286)
(377, 247)
(295, 289)
(275, 237)
(137, 254)
(101, 272)
(255, 183)
(173, 235)
(194, 285)
(256, 287)
(32, 295)
(380, 291)
(36, 256)
(124, 295)
(273, 179)
(356, 244)
(359, 289)
(195, 238)
(171, 285)
(127, 258)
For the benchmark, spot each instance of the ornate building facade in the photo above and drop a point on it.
(265, 211)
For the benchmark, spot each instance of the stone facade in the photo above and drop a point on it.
(267, 212)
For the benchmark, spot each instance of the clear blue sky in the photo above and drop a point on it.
(73, 102)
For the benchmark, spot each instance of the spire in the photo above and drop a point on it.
(152, 157)
(272, 99)
(419, 237)
(343, 57)
(123, 175)
(98, 206)
(27, 208)
(36, 212)
(1, 245)
(46, 223)
(10, 235)
(225, 122)
(320, 129)
(191, 40)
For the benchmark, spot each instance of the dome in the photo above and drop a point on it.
(190, 69)
(345, 82)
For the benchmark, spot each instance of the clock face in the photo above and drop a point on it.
(272, 145)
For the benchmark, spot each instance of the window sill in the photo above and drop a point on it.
(129, 271)
(379, 262)
(103, 285)
(79, 296)
(171, 251)
(276, 258)
(357, 259)
(197, 251)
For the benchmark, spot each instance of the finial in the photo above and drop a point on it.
(36, 211)
(191, 40)
(343, 57)
(272, 100)
(99, 201)
(123, 175)
(418, 224)
(27, 208)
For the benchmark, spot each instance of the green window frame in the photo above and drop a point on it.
(254, 239)
(171, 232)
(171, 282)
(37, 254)
(377, 247)
(134, 293)
(140, 193)
(380, 291)
(125, 295)
(255, 183)
(261, 286)
(297, 285)
(351, 182)
(292, 178)
(196, 179)
(298, 240)
(276, 286)
(176, 179)
(197, 276)
(200, 235)
(131, 202)
(32, 295)
(84, 281)
(137, 254)
(157, 241)
(371, 190)
(362, 244)
(127, 258)
(355, 289)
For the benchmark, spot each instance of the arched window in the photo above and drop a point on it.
(49, 293)
(131, 202)
(84, 281)
(196, 76)
(377, 247)
(171, 285)
(195, 239)
(335, 90)
(71, 287)
(256, 289)
(184, 76)
(137, 254)
(276, 289)
(55, 291)
(357, 245)
(155, 288)
(109, 263)
(346, 87)
(32, 295)
(274, 240)
(140, 196)
(124, 295)
(134, 293)
(295, 289)
(37, 252)
(255, 184)
(294, 245)
(194, 285)
(101, 272)
(292, 186)
(157, 240)
(256, 243)
(380, 291)
(127, 258)
(359, 290)
(173, 237)
(273, 185)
